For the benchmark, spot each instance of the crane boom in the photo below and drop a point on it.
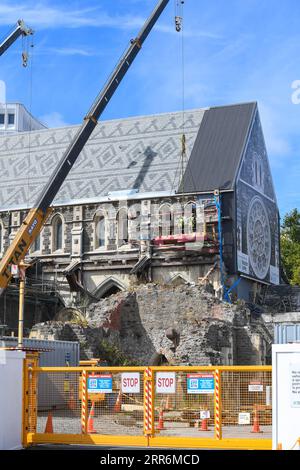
(20, 30)
(37, 216)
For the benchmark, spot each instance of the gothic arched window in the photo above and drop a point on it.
(57, 233)
(100, 231)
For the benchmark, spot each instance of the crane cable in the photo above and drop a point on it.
(179, 27)
(178, 16)
(30, 88)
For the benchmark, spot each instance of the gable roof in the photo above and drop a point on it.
(141, 154)
(219, 147)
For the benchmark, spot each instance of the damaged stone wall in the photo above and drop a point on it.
(281, 298)
(136, 326)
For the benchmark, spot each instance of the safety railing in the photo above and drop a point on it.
(188, 407)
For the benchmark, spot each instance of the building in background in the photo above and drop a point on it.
(140, 204)
(14, 117)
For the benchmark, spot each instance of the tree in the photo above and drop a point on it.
(290, 245)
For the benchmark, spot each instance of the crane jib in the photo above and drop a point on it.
(37, 216)
(20, 30)
(17, 256)
(71, 154)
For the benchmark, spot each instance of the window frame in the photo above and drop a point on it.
(54, 223)
(99, 216)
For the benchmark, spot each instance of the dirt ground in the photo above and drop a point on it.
(66, 422)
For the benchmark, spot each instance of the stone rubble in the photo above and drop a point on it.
(135, 323)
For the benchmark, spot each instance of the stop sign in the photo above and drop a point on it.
(165, 382)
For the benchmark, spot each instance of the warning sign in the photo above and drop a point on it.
(200, 383)
(99, 384)
(295, 385)
(165, 382)
(255, 387)
(204, 414)
(244, 418)
(130, 382)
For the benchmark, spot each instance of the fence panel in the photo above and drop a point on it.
(210, 407)
(246, 404)
(109, 410)
(180, 412)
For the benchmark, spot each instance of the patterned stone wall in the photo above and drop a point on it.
(140, 154)
(114, 261)
(257, 224)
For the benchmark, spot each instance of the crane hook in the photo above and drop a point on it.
(24, 59)
(178, 23)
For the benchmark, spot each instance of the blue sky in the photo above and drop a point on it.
(235, 51)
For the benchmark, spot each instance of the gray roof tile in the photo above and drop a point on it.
(137, 153)
(218, 149)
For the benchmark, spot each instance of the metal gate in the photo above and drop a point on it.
(180, 407)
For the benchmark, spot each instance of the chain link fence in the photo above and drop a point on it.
(109, 409)
(182, 402)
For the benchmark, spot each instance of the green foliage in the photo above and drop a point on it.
(291, 226)
(290, 246)
(114, 356)
(80, 320)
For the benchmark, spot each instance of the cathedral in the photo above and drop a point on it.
(169, 198)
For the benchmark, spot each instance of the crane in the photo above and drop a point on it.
(20, 30)
(37, 216)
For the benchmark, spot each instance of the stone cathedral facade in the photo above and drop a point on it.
(140, 207)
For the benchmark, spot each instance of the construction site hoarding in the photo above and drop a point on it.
(286, 396)
(153, 406)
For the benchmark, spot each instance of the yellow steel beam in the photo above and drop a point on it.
(155, 369)
(200, 443)
(212, 368)
(89, 369)
(87, 439)
(142, 441)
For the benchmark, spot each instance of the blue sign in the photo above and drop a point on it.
(99, 384)
(200, 383)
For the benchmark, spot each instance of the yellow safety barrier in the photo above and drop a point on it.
(181, 407)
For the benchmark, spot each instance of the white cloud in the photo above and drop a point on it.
(43, 16)
(66, 51)
(53, 119)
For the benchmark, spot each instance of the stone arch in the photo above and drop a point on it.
(166, 221)
(100, 229)
(158, 359)
(108, 287)
(122, 226)
(67, 314)
(178, 279)
(57, 232)
(190, 216)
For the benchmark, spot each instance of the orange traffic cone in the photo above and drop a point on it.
(118, 404)
(204, 425)
(71, 402)
(90, 424)
(49, 424)
(160, 425)
(256, 427)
